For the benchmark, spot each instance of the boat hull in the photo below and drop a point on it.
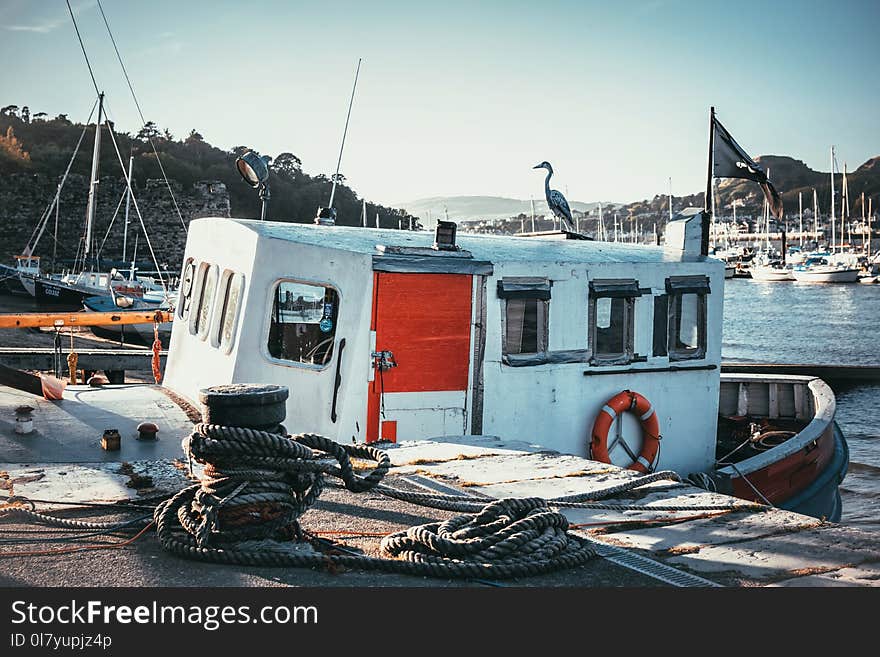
(826, 276)
(53, 292)
(772, 274)
(801, 474)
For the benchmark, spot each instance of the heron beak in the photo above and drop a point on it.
(537, 166)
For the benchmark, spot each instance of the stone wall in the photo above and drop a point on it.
(24, 198)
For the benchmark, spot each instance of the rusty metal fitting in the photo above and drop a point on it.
(111, 440)
(147, 431)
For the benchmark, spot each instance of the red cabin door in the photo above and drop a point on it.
(424, 321)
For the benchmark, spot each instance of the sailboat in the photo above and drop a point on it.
(72, 287)
(767, 266)
(828, 267)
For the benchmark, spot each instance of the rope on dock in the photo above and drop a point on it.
(258, 483)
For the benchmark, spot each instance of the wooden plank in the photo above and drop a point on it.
(773, 404)
(36, 320)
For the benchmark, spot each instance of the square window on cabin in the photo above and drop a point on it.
(526, 314)
(686, 317)
(611, 321)
(303, 323)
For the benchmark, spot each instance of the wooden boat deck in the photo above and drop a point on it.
(640, 548)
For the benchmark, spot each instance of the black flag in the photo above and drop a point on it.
(731, 161)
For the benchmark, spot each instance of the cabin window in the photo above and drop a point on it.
(611, 321)
(687, 316)
(206, 284)
(526, 311)
(187, 278)
(303, 323)
(231, 290)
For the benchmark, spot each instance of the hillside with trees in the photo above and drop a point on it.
(35, 144)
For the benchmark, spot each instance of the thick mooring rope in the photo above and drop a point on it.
(257, 484)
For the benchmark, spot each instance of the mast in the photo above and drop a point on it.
(864, 246)
(815, 216)
(364, 212)
(344, 132)
(833, 218)
(602, 237)
(93, 186)
(844, 206)
(801, 217)
(709, 200)
(533, 213)
(670, 198)
(127, 205)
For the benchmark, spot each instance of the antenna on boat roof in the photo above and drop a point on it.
(332, 213)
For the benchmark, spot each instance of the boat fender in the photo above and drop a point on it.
(627, 400)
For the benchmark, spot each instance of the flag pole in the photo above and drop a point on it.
(704, 250)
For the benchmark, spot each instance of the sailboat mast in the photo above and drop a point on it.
(801, 218)
(93, 186)
(864, 247)
(709, 200)
(815, 216)
(844, 206)
(127, 205)
(833, 218)
(670, 198)
(533, 213)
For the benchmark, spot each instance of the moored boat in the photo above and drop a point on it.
(383, 336)
(820, 270)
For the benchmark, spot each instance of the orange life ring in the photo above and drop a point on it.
(620, 403)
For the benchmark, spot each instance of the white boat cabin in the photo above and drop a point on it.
(378, 335)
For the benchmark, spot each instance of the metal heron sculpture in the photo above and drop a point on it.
(555, 200)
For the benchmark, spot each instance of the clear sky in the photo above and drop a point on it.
(463, 98)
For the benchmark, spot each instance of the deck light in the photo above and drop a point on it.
(444, 237)
(254, 169)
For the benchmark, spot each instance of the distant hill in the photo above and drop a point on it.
(470, 208)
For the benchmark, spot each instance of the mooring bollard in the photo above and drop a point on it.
(111, 440)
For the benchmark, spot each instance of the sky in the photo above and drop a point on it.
(464, 98)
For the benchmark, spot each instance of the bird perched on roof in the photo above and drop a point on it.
(555, 200)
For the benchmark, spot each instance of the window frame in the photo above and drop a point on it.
(272, 290)
(204, 271)
(221, 302)
(628, 290)
(676, 288)
(521, 288)
(184, 297)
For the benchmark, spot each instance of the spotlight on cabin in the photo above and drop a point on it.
(254, 169)
(444, 237)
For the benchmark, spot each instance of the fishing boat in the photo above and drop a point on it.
(384, 335)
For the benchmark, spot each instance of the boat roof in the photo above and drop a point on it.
(492, 248)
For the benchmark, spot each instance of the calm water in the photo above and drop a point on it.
(823, 324)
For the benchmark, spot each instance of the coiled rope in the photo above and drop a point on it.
(258, 483)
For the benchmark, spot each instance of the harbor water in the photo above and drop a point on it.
(789, 322)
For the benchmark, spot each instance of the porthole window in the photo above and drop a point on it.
(302, 328)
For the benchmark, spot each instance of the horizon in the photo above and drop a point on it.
(450, 103)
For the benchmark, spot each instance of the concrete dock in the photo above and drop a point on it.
(736, 547)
